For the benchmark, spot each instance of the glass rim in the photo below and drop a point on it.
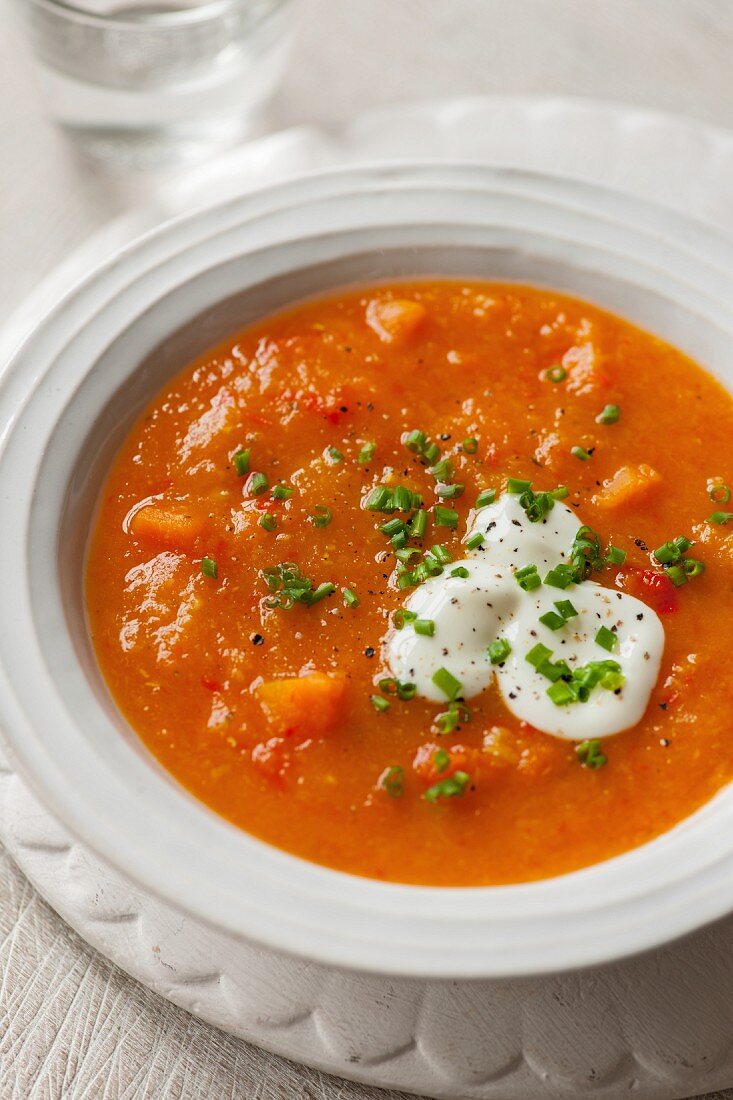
(183, 16)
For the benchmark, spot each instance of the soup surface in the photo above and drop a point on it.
(295, 487)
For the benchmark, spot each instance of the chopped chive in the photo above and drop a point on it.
(404, 554)
(401, 689)
(470, 445)
(606, 639)
(424, 626)
(475, 541)
(552, 620)
(257, 484)
(719, 493)
(282, 492)
(683, 544)
(538, 654)
(485, 497)
(392, 527)
(418, 524)
(321, 592)
(443, 470)
(449, 719)
(446, 682)
(677, 575)
(268, 522)
(720, 517)
(693, 567)
(366, 454)
(609, 414)
(431, 453)
(350, 597)
(580, 452)
(379, 703)
(445, 517)
(528, 578)
(399, 541)
(441, 760)
(590, 755)
(460, 571)
(560, 577)
(452, 787)
(241, 462)
(401, 498)
(321, 516)
(561, 693)
(379, 500)
(415, 441)
(560, 493)
(515, 485)
(209, 568)
(615, 555)
(401, 617)
(556, 374)
(498, 651)
(669, 553)
(440, 554)
(334, 456)
(392, 780)
(566, 609)
(450, 492)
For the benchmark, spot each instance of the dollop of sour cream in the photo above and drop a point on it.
(471, 612)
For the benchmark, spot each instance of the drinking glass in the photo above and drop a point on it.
(150, 81)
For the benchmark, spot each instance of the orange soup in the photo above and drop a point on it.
(286, 499)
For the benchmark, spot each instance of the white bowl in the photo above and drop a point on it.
(74, 389)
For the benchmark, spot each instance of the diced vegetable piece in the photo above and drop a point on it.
(628, 484)
(309, 705)
(395, 321)
(168, 527)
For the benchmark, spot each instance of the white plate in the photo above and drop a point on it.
(308, 1013)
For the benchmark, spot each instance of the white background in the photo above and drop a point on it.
(70, 1023)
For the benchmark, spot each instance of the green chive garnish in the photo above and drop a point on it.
(257, 484)
(450, 492)
(402, 689)
(366, 454)
(485, 497)
(606, 639)
(441, 760)
(475, 541)
(498, 651)
(552, 620)
(460, 571)
(350, 597)
(515, 485)
(440, 554)
(424, 626)
(528, 578)
(282, 492)
(446, 682)
(615, 555)
(268, 522)
(321, 516)
(415, 441)
(321, 592)
(470, 445)
(379, 703)
(418, 524)
(538, 654)
(443, 470)
(392, 780)
(209, 568)
(452, 787)
(379, 500)
(445, 517)
(241, 463)
(720, 517)
(566, 609)
(719, 493)
(431, 453)
(580, 452)
(590, 755)
(561, 693)
(333, 456)
(608, 415)
(556, 374)
(560, 577)
(402, 617)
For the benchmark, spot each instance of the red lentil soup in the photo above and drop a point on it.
(239, 590)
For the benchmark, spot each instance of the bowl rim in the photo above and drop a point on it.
(633, 902)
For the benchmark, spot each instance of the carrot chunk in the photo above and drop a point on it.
(162, 526)
(628, 484)
(395, 321)
(308, 706)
